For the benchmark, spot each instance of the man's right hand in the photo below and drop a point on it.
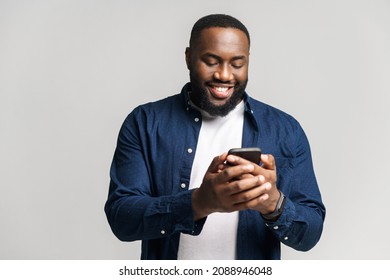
(226, 188)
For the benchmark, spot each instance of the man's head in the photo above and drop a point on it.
(218, 59)
(216, 20)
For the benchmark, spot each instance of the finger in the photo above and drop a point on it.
(255, 198)
(240, 186)
(236, 160)
(216, 163)
(268, 161)
(232, 173)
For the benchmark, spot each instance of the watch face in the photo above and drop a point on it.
(281, 202)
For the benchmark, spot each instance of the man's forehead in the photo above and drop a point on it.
(213, 31)
(223, 37)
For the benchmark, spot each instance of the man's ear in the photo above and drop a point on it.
(188, 57)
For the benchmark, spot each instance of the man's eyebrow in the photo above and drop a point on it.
(238, 57)
(211, 55)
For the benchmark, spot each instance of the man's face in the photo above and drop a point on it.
(218, 64)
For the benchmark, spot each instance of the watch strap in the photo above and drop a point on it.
(278, 210)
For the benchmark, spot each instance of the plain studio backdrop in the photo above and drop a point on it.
(71, 71)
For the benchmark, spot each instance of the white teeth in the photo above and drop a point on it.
(222, 89)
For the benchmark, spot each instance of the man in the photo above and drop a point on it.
(164, 190)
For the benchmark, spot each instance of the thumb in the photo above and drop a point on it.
(216, 163)
(268, 161)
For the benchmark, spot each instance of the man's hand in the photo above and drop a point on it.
(243, 185)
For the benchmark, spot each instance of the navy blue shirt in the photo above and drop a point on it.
(149, 199)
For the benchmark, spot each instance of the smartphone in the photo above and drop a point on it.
(252, 154)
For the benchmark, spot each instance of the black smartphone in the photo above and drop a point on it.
(252, 154)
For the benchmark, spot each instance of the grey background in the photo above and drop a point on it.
(70, 72)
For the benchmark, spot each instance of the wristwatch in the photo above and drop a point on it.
(278, 210)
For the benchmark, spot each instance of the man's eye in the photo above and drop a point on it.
(237, 65)
(211, 63)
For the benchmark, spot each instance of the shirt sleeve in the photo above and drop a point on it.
(301, 223)
(133, 209)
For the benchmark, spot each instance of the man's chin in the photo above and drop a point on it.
(219, 109)
(218, 102)
(214, 106)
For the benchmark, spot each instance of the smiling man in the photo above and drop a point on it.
(218, 63)
(174, 187)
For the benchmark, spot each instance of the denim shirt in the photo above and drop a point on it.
(149, 199)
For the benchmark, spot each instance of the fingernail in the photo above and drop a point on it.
(232, 158)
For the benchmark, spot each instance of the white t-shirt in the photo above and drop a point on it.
(218, 237)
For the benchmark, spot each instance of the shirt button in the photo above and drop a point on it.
(183, 186)
(189, 150)
(196, 119)
(162, 231)
(286, 238)
(276, 227)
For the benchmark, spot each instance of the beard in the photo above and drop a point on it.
(201, 98)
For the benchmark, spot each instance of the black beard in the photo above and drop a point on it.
(200, 98)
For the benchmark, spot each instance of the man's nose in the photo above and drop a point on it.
(223, 73)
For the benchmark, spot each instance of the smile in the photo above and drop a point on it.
(222, 89)
(221, 92)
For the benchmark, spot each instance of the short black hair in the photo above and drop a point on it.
(216, 20)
